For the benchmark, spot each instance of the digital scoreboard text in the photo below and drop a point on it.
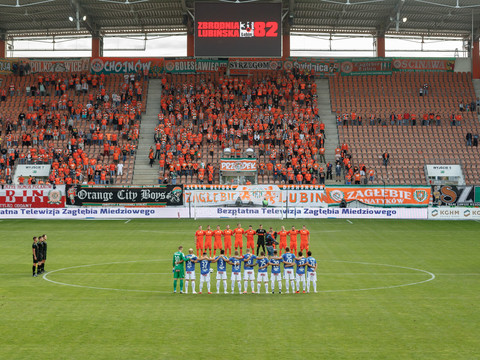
(238, 30)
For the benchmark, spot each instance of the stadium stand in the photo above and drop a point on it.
(387, 107)
(84, 125)
(274, 113)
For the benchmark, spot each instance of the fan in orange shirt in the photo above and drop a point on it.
(239, 238)
(199, 236)
(250, 241)
(217, 244)
(208, 240)
(283, 239)
(304, 238)
(293, 240)
(227, 238)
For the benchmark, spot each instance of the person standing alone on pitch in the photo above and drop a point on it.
(44, 251)
(40, 244)
(261, 232)
(178, 269)
(34, 256)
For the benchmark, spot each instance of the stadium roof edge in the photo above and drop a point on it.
(319, 16)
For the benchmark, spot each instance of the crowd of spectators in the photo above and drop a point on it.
(275, 114)
(73, 122)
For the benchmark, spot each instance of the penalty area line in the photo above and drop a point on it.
(349, 222)
(126, 222)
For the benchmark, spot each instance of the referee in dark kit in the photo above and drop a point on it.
(261, 232)
(34, 256)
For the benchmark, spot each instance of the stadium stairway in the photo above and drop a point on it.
(476, 86)
(326, 115)
(143, 174)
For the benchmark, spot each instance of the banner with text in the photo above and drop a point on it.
(368, 66)
(245, 66)
(321, 67)
(307, 195)
(8, 66)
(253, 195)
(379, 195)
(454, 213)
(114, 65)
(58, 65)
(94, 195)
(423, 65)
(450, 195)
(32, 196)
(310, 213)
(238, 165)
(96, 213)
(193, 66)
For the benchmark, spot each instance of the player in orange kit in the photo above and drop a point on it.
(283, 239)
(239, 238)
(250, 241)
(217, 244)
(304, 238)
(199, 234)
(227, 238)
(208, 240)
(293, 239)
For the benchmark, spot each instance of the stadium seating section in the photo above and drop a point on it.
(410, 147)
(273, 113)
(71, 130)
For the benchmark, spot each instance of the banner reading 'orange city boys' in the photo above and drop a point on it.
(379, 195)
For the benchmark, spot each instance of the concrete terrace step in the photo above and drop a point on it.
(326, 115)
(142, 173)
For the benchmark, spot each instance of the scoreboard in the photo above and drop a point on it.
(238, 29)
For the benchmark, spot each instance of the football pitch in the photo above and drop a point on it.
(386, 290)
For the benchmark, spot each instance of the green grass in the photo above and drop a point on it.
(438, 319)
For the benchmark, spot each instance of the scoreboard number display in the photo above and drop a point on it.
(238, 29)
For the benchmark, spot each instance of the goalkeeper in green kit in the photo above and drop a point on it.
(178, 269)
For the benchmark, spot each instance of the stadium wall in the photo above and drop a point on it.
(52, 202)
(463, 64)
(157, 66)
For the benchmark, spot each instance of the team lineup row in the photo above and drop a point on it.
(264, 237)
(296, 270)
(39, 254)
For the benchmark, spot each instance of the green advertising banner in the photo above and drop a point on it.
(321, 67)
(193, 66)
(424, 65)
(366, 66)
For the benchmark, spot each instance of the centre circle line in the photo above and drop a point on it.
(45, 277)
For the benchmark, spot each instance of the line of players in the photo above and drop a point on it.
(39, 254)
(305, 272)
(204, 239)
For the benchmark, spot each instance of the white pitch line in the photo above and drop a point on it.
(122, 274)
(45, 277)
(318, 273)
(126, 222)
(349, 222)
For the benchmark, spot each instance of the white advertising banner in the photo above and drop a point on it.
(32, 170)
(453, 213)
(251, 195)
(312, 213)
(95, 213)
(444, 170)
